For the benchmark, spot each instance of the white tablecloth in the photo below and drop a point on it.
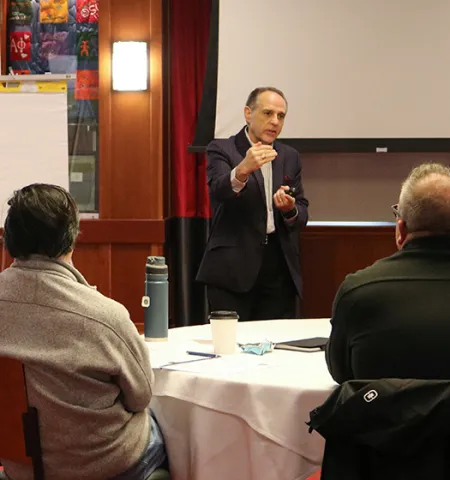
(241, 417)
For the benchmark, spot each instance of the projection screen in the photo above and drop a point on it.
(358, 74)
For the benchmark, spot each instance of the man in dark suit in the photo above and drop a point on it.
(391, 320)
(251, 264)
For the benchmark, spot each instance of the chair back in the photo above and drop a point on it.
(13, 404)
(19, 439)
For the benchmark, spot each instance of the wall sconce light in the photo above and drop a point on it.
(129, 66)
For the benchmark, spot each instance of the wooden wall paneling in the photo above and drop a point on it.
(104, 111)
(5, 257)
(156, 168)
(111, 254)
(317, 262)
(328, 254)
(131, 151)
(128, 276)
(94, 262)
(122, 231)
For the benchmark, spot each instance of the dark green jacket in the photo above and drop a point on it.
(392, 319)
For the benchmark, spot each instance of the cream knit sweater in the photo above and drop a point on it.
(88, 371)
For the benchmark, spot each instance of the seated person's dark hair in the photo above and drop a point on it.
(42, 219)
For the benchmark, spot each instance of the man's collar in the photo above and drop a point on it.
(248, 136)
(44, 263)
(436, 241)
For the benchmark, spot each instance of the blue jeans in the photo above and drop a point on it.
(153, 457)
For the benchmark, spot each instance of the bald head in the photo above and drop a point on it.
(424, 203)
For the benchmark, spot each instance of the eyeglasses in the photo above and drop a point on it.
(395, 210)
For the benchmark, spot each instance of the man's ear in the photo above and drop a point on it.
(401, 232)
(247, 114)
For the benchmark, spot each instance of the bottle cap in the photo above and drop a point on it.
(156, 265)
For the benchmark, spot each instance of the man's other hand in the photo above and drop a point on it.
(282, 200)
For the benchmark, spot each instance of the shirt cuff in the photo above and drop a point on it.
(236, 184)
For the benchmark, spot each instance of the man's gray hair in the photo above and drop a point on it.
(424, 203)
(252, 99)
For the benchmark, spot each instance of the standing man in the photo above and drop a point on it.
(251, 264)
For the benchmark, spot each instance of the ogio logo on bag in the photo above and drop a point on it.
(370, 395)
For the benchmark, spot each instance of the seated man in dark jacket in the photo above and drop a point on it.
(392, 319)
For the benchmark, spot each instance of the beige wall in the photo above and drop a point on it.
(358, 187)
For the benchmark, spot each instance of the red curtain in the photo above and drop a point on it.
(3, 23)
(188, 226)
(189, 34)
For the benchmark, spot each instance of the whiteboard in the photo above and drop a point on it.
(33, 142)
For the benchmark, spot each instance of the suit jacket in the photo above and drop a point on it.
(235, 247)
(387, 429)
(392, 319)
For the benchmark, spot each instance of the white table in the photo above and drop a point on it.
(241, 417)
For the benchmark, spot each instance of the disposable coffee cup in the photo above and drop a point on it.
(223, 329)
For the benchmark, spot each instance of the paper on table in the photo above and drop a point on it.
(221, 366)
(162, 353)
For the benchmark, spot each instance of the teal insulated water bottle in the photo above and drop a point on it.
(156, 300)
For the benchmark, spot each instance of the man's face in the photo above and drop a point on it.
(265, 120)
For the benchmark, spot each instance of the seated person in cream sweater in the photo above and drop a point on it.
(87, 370)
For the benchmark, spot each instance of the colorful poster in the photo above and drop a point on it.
(20, 11)
(58, 36)
(87, 85)
(20, 46)
(54, 11)
(87, 11)
(55, 44)
(87, 45)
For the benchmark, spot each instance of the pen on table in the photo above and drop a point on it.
(203, 354)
